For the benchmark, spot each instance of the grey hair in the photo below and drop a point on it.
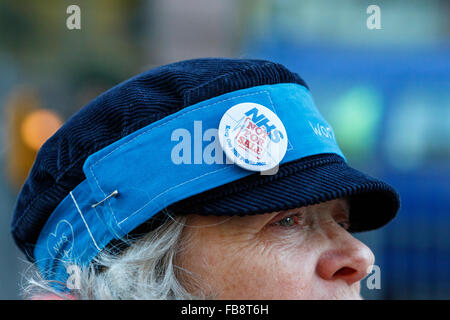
(146, 269)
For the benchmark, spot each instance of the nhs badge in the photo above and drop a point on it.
(252, 136)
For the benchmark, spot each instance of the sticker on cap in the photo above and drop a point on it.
(252, 136)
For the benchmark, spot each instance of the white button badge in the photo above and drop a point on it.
(252, 136)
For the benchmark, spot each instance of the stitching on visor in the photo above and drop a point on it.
(161, 125)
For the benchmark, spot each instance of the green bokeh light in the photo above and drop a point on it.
(356, 117)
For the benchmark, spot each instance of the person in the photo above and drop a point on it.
(203, 179)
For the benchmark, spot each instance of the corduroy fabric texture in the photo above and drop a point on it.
(162, 91)
(307, 181)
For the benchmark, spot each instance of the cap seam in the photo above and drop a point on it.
(246, 69)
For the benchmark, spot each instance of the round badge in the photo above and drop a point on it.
(252, 136)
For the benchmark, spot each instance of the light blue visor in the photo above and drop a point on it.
(172, 159)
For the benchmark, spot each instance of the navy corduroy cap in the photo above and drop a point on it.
(155, 94)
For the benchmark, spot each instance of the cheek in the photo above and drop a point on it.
(292, 272)
(266, 267)
(262, 272)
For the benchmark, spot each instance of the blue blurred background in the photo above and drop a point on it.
(386, 92)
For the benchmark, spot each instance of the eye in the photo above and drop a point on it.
(288, 221)
(344, 224)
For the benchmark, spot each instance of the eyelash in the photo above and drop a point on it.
(345, 224)
(295, 220)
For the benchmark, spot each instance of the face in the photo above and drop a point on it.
(305, 253)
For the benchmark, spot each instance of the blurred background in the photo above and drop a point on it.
(386, 92)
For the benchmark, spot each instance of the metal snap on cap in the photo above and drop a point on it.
(252, 136)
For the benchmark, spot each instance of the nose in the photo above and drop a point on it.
(347, 259)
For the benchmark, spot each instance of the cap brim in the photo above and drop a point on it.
(312, 180)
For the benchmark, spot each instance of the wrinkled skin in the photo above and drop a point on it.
(305, 253)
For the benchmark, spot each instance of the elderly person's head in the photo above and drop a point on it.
(207, 178)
